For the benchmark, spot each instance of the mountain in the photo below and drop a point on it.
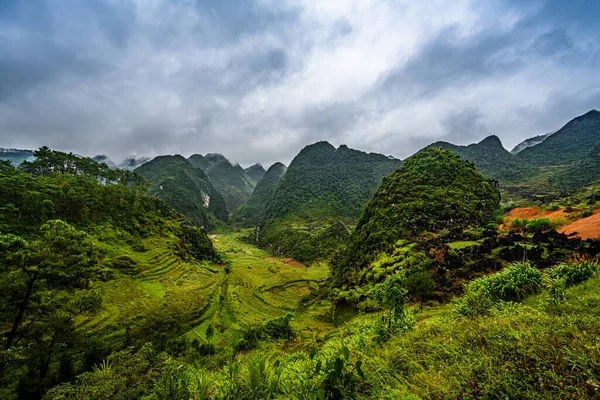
(571, 143)
(16, 156)
(256, 172)
(185, 188)
(433, 192)
(491, 159)
(582, 173)
(254, 210)
(101, 158)
(133, 162)
(231, 181)
(530, 142)
(322, 194)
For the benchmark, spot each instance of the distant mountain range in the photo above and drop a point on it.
(492, 159)
(185, 188)
(255, 172)
(230, 180)
(255, 209)
(16, 156)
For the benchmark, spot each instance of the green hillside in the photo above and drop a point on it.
(230, 180)
(492, 159)
(433, 193)
(321, 195)
(254, 210)
(185, 188)
(571, 143)
(255, 172)
(582, 173)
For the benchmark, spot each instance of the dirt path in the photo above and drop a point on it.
(586, 228)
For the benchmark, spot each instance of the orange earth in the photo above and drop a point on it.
(585, 228)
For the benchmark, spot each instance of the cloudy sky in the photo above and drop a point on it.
(257, 80)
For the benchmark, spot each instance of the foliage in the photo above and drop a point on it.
(182, 186)
(514, 283)
(582, 173)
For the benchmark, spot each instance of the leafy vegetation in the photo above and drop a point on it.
(67, 226)
(185, 188)
(255, 209)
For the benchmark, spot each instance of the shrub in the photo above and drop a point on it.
(587, 213)
(519, 223)
(126, 265)
(472, 234)
(539, 225)
(573, 272)
(512, 284)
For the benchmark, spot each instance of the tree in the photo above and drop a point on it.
(62, 260)
(420, 284)
(210, 332)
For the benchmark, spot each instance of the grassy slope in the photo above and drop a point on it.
(258, 288)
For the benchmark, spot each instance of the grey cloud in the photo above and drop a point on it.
(184, 76)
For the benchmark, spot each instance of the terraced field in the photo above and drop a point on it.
(253, 288)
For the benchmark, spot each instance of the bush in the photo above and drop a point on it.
(574, 272)
(512, 284)
(539, 225)
(587, 213)
(472, 234)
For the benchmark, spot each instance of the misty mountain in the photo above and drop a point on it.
(230, 180)
(133, 162)
(530, 142)
(256, 172)
(101, 158)
(185, 188)
(491, 159)
(572, 143)
(16, 156)
(254, 210)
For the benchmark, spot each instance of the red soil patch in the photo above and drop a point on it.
(288, 261)
(535, 212)
(586, 228)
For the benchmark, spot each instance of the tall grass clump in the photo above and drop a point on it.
(514, 283)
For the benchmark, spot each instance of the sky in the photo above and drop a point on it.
(257, 80)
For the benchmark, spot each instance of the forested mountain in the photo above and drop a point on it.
(321, 195)
(492, 159)
(67, 224)
(530, 142)
(570, 144)
(433, 192)
(254, 210)
(16, 156)
(582, 173)
(256, 172)
(185, 188)
(230, 180)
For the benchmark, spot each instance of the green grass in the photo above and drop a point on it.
(259, 287)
